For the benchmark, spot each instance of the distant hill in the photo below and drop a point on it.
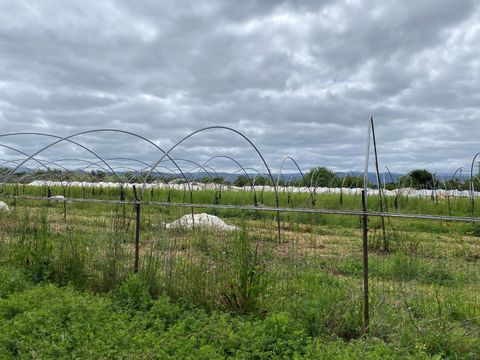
(289, 176)
(372, 177)
(231, 177)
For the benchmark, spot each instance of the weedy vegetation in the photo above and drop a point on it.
(67, 288)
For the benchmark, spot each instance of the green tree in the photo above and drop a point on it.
(420, 179)
(320, 176)
(98, 175)
(242, 180)
(350, 181)
(262, 180)
(220, 180)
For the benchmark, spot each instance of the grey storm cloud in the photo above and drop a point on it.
(299, 78)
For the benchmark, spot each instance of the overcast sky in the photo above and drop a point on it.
(299, 78)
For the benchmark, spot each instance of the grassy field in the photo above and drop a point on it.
(240, 294)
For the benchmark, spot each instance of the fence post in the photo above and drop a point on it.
(15, 194)
(137, 231)
(366, 312)
(64, 205)
(122, 198)
(379, 184)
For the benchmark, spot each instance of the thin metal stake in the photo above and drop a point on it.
(64, 205)
(122, 198)
(137, 231)
(379, 184)
(15, 193)
(366, 312)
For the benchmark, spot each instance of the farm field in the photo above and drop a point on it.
(245, 293)
(239, 180)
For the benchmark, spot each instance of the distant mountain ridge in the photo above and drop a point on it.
(385, 177)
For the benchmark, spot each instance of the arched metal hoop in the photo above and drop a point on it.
(241, 135)
(68, 139)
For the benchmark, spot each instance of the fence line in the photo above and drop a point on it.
(254, 208)
(364, 214)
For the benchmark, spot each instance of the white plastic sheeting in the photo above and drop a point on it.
(202, 220)
(319, 190)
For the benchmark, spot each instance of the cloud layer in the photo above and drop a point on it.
(299, 78)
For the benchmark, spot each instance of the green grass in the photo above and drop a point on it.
(234, 288)
(47, 322)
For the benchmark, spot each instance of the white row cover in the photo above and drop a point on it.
(319, 190)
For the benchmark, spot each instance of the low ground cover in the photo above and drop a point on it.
(242, 294)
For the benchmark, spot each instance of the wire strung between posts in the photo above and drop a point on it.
(254, 208)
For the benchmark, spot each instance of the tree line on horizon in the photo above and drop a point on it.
(315, 177)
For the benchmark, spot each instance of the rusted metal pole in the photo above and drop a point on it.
(137, 231)
(366, 312)
(122, 198)
(137, 237)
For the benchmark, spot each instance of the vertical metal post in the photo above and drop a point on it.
(122, 198)
(15, 193)
(366, 312)
(379, 184)
(64, 205)
(137, 237)
(137, 231)
(279, 231)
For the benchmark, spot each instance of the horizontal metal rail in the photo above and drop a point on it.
(253, 208)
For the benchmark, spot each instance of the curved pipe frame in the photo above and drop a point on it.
(312, 201)
(472, 190)
(252, 183)
(165, 154)
(68, 138)
(22, 162)
(244, 137)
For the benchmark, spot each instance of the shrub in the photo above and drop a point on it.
(133, 294)
(11, 281)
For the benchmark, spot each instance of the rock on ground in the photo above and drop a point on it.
(202, 220)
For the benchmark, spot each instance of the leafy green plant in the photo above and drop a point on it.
(133, 294)
(12, 280)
